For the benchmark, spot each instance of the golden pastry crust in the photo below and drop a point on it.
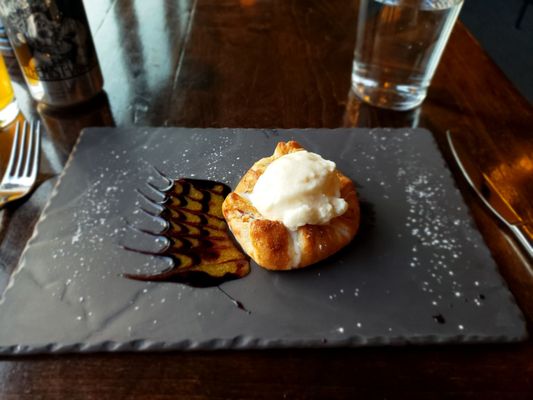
(270, 243)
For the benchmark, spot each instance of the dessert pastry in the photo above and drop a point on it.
(292, 209)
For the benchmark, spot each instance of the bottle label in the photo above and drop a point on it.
(51, 38)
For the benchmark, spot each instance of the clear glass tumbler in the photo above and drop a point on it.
(8, 105)
(398, 47)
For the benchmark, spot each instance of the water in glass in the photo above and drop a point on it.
(398, 47)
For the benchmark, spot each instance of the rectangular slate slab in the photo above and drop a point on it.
(418, 271)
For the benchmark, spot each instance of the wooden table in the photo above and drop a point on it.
(279, 63)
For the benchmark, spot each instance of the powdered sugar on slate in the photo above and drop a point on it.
(421, 254)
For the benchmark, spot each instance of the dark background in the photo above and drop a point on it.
(493, 23)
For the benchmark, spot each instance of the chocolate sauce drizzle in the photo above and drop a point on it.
(199, 244)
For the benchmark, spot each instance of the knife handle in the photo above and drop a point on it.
(521, 234)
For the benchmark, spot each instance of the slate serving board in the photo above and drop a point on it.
(418, 272)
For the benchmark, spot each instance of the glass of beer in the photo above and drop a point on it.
(8, 105)
(398, 47)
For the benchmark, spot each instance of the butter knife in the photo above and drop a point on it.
(489, 194)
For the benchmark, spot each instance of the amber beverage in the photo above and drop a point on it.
(8, 105)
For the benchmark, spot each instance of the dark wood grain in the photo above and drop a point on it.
(278, 63)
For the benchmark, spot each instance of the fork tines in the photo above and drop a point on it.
(24, 157)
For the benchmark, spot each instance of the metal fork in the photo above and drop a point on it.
(21, 171)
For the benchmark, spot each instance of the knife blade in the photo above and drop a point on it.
(491, 197)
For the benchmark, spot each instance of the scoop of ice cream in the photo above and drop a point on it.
(297, 189)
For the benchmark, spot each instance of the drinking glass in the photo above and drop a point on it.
(398, 47)
(8, 105)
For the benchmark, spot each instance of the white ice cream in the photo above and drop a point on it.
(297, 189)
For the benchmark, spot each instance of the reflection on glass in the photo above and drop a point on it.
(63, 126)
(361, 114)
